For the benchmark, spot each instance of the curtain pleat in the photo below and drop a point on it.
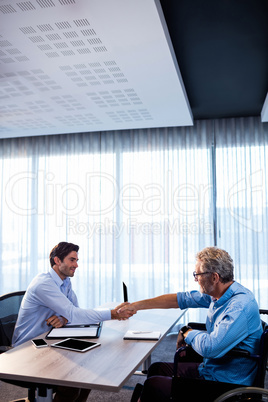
(242, 199)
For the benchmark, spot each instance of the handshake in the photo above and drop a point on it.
(126, 310)
(123, 311)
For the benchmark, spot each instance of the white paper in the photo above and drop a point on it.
(142, 335)
(71, 332)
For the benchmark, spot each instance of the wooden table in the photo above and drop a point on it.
(106, 368)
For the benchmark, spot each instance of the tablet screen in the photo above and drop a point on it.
(76, 344)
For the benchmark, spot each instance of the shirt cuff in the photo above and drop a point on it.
(191, 335)
(104, 313)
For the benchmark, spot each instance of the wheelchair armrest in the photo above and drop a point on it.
(186, 354)
(197, 325)
(177, 358)
(236, 352)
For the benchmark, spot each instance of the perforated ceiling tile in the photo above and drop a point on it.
(68, 102)
(115, 98)
(68, 36)
(122, 116)
(7, 9)
(79, 120)
(81, 74)
(60, 57)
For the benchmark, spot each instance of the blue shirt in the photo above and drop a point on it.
(232, 321)
(49, 295)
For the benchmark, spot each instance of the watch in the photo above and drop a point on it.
(184, 329)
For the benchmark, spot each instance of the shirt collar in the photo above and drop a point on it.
(59, 282)
(227, 295)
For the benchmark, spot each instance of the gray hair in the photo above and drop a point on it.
(214, 259)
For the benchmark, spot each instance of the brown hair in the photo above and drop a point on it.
(61, 250)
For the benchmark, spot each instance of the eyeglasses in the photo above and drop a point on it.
(201, 273)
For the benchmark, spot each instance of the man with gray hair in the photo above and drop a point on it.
(233, 320)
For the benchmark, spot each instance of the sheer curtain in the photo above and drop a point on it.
(242, 199)
(139, 203)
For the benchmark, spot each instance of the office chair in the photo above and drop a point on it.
(210, 390)
(244, 394)
(9, 310)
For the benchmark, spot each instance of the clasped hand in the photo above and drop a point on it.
(122, 312)
(56, 321)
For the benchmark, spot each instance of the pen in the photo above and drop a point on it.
(142, 332)
(82, 326)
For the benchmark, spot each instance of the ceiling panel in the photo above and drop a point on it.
(222, 49)
(87, 65)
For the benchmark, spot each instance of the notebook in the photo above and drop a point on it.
(76, 331)
(142, 335)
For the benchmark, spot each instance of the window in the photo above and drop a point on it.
(140, 204)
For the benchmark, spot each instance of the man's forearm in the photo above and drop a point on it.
(164, 301)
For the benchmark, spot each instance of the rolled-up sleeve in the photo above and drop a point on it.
(193, 299)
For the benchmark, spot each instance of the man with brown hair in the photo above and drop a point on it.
(50, 301)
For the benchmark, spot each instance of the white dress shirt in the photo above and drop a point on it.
(49, 295)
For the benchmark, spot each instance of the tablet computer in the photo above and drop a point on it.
(77, 345)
